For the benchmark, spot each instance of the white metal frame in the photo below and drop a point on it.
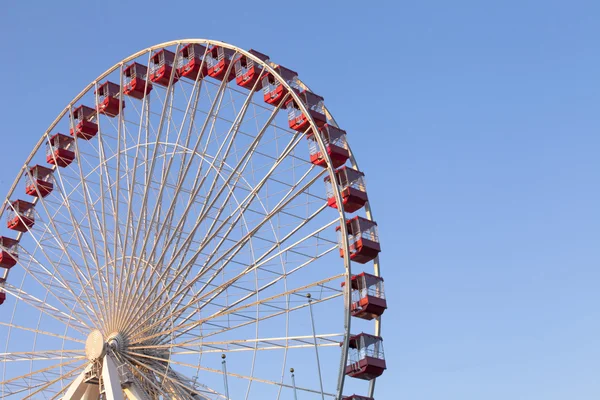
(88, 302)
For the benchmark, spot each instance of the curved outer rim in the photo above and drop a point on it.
(322, 148)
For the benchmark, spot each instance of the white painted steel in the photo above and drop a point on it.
(110, 377)
(78, 388)
(115, 247)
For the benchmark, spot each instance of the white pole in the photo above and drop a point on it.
(110, 377)
(78, 387)
(294, 384)
(224, 364)
(312, 320)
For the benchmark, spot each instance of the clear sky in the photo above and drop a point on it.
(477, 125)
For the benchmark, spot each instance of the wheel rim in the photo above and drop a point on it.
(251, 169)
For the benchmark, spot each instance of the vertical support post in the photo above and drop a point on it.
(92, 393)
(312, 321)
(110, 377)
(294, 383)
(224, 365)
(78, 387)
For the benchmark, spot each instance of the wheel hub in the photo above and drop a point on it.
(95, 347)
(116, 341)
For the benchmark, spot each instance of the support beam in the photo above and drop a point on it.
(92, 393)
(133, 393)
(78, 388)
(110, 377)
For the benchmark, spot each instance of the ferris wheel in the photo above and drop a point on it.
(193, 225)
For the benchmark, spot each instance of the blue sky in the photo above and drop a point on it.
(477, 125)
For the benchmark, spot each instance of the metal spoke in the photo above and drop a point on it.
(191, 325)
(330, 339)
(81, 239)
(46, 308)
(143, 122)
(45, 371)
(232, 374)
(184, 270)
(24, 328)
(41, 355)
(78, 274)
(52, 382)
(233, 250)
(190, 223)
(214, 106)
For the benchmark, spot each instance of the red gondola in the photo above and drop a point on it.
(247, 71)
(58, 151)
(273, 89)
(136, 85)
(351, 184)
(335, 144)
(9, 253)
(39, 181)
(190, 59)
(20, 215)
(366, 359)
(297, 120)
(108, 96)
(363, 238)
(162, 67)
(368, 298)
(83, 119)
(218, 60)
(2, 297)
